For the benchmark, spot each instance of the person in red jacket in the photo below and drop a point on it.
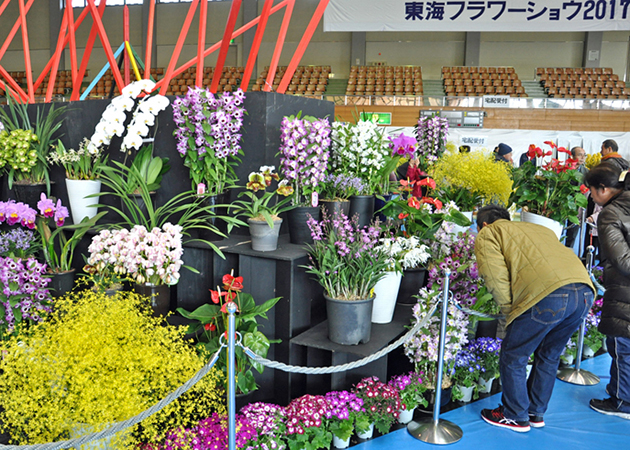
(414, 173)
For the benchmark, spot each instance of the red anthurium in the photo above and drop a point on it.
(407, 183)
(551, 144)
(232, 283)
(427, 182)
(215, 296)
(563, 150)
(534, 151)
(210, 327)
(403, 216)
(432, 201)
(413, 202)
(583, 189)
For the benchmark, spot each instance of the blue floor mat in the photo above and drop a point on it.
(570, 423)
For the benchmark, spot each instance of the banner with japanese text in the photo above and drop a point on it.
(477, 15)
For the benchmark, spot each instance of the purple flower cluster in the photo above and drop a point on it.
(380, 401)
(25, 296)
(17, 243)
(305, 412)
(431, 134)
(265, 417)
(410, 389)
(468, 368)
(12, 213)
(487, 350)
(342, 186)
(342, 405)
(48, 208)
(304, 150)
(212, 123)
(210, 434)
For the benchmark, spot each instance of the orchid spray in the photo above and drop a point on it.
(208, 136)
(431, 133)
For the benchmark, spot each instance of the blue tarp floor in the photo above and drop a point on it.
(570, 423)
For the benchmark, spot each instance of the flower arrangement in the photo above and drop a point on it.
(24, 299)
(144, 113)
(410, 390)
(470, 179)
(142, 255)
(343, 257)
(422, 349)
(361, 150)
(404, 253)
(304, 144)
(305, 423)
(341, 187)
(17, 213)
(18, 243)
(487, 349)
(381, 404)
(421, 218)
(593, 160)
(211, 320)
(342, 412)
(266, 419)
(100, 361)
(552, 191)
(82, 164)
(24, 147)
(210, 433)
(208, 136)
(57, 240)
(431, 133)
(262, 208)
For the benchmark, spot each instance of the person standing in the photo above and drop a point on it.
(609, 188)
(545, 292)
(610, 154)
(578, 154)
(503, 152)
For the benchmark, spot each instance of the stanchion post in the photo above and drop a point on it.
(231, 309)
(576, 375)
(434, 430)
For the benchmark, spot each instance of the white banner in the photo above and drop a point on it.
(477, 15)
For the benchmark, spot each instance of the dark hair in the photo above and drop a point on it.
(574, 149)
(490, 214)
(609, 143)
(607, 175)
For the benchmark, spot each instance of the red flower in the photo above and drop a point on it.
(551, 144)
(232, 283)
(427, 182)
(432, 201)
(563, 150)
(534, 151)
(403, 216)
(210, 327)
(215, 296)
(583, 189)
(413, 202)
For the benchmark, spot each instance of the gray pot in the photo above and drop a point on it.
(264, 238)
(349, 321)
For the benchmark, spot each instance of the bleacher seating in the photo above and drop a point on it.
(307, 80)
(579, 82)
(385, 80)
(478, 81)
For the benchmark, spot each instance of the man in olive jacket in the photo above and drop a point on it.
(545, 292)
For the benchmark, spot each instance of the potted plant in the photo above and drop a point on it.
(24, 147)
(335, 192)
(341, 415)
(380, 406)
(58, 249)
(18, 243)
(305, 423)
(263, 212)
(304, 153)
(211, 321)
(267, 418)
(98, 362)
(82, 169)
(487, 349)
(465, 375)
(549, 192)
(24, 296)
(411, 394)
(346, 264)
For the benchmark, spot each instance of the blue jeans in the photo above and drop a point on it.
(544, 331)
(619, 386)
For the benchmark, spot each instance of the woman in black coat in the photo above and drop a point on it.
(609, 186)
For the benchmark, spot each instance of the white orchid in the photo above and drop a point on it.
(131, 141)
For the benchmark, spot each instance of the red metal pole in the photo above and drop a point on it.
(105, 42)
(225, 44)
(4, 6)
(126, 39)
(27, 54)
(178, 47)
(149, 47)
(73, 41)
(301, 48)
(76, 87)
(273, 65)
(13, 31)
(56, 57)
(201, 41)
(16, 87)
(253, 53)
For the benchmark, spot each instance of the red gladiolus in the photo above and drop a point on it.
(583, 189)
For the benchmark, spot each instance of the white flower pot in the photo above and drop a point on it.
(386, 292)
(368, 434)
(340, 443)
(467, 393)
(485, 386)
(567, 359)
(528, 370)
(405, 415)
(80, 206)
(587, 352)
(553, 225)
(457, 228)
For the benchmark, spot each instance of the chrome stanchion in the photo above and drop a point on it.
(434, 430)
(576, 375)
(231, 309)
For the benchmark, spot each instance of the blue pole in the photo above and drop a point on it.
(101, 73)
(231, 308)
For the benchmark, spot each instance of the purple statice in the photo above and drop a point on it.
(17, 243)
(431, 134)
(266, 419)
(304, 152)
(13, 213)
(24, 291)
(210, 434)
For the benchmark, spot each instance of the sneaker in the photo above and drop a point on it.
(495, 417)
(609, 407)
(536, 421)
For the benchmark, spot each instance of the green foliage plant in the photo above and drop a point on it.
(99, 360)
